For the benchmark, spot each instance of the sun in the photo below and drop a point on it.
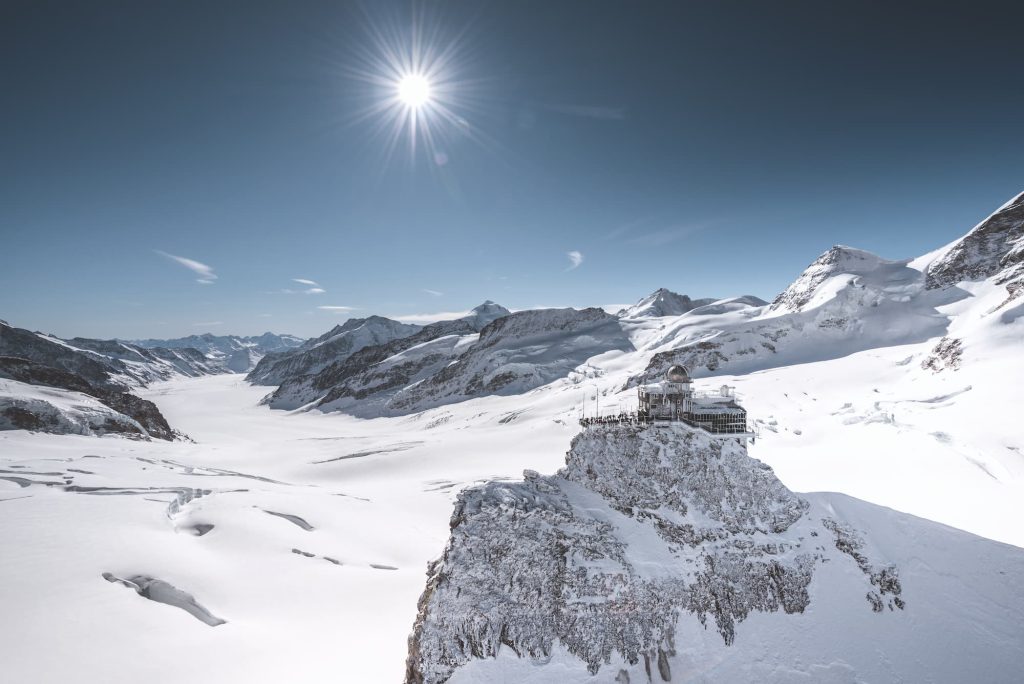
(413, 79)
(414, 90)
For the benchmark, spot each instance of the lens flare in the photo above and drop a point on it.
(413, 76)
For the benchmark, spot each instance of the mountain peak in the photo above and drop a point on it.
(485, 313)
(839, 259)
(662, 302)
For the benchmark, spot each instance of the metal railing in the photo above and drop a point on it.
(637, 419)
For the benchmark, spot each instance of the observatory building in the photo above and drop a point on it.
(673, 399)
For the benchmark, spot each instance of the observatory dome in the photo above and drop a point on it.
(678, 374)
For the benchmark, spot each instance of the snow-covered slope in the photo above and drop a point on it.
(142, 365)
(229, 353)
(659, 552)
(846, 301)
(364, 382)
(663, 302)
(994, 249)
(42, 408)
(87, 383)
(517, 353)
(334, 346)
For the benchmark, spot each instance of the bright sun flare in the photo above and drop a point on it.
(414, 90)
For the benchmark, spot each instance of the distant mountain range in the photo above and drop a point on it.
(83, 385)
(230, 353)
(846, 301)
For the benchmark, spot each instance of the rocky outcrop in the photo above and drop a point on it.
(643, 528)
(992, 249)
(947, 354)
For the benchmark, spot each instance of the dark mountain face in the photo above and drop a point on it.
(29, 358)
(334, 346)
(993, 249)
(21, 343)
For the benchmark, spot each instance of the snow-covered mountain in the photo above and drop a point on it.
(81, 386)
(662, 302)
(229, 353)
(518, 353)
(365, 381)
(994, 250)
(659, 552)
(334, 346)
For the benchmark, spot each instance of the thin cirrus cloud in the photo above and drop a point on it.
(312, 287)
(434, 293)
(205, 273)
(575, 259)
(338, 309)
(665, 236)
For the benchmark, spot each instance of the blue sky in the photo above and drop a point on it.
(711, 148)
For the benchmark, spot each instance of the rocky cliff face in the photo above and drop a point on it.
(643, 528)
(993, 249)
(87, 388)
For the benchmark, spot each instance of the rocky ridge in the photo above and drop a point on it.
(332, 347)
(88, 385)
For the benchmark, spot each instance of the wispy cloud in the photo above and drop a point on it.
(435, 293)
(601, 113)
(431, 317)
(207, 324)
(265, 315)
(665, 236)
(313, 287)
(205, 273)
(575, 259)
(628, 227)
(339, 309)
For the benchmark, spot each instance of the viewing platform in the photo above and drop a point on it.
(673, 400)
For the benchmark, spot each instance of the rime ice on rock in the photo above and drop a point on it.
(644, 527)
